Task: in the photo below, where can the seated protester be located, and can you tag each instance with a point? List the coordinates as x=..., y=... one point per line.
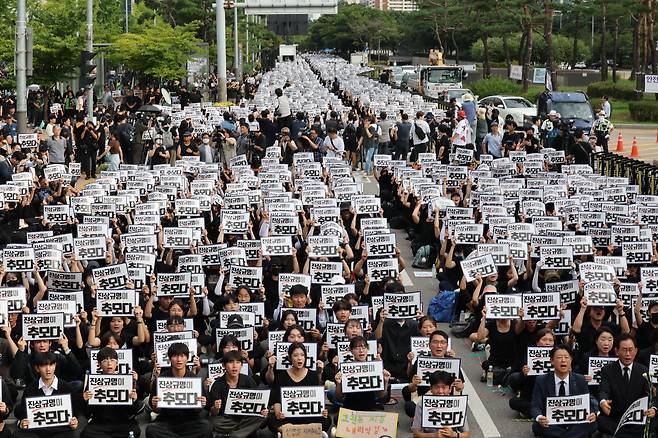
x=646, y=329
x=230, y=343
x=395, y=335
x=623, y=382
x=590, y=319
x=522, y=384
x=604, y=342
x=644, y=356
x=233, y=425
x=108, y=421
x=296, y=375
x=367, y=400
x=45, y=364
x=68, y=367
x=132, y=333
x=294, y=333
x=300, y=300
x=560, y=383
x=441, y=383
x=438, y=350
x=500, y=336
x=6, y=406
x=172, y=422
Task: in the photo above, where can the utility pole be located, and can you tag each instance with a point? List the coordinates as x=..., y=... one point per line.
x=236, y=47
x=90, y=48
x=127, y=4
x=221, y=48
x=21, y=75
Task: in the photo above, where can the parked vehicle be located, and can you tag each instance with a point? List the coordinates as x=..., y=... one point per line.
x=457, y=94
x=518, y=107
x=574, y=108
x=432, y=80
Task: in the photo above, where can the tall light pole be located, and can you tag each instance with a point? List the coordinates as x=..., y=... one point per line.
x=236, y=47
x=21, y=74
x=221, y=48
x=90, y=48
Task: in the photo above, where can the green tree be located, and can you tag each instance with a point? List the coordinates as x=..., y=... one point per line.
x=160, y=51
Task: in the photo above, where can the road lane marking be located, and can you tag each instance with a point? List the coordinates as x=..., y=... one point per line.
x=484, y=420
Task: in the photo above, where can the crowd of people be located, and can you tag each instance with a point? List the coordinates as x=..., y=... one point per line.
x=207, y=270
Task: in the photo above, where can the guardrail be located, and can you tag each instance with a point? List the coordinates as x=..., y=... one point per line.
x=638, y=172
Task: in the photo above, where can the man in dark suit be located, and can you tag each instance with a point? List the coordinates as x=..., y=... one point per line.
x=48, y=384
x=560, y=383
x=622, y=383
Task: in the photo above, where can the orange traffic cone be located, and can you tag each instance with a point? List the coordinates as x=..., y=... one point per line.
x=634, y=152
x=620, y=143
x=657, y=136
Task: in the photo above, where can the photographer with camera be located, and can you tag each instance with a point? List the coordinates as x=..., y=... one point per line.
x=312, y=142
x=287, y=145
x=87, y=149
x=158, y=154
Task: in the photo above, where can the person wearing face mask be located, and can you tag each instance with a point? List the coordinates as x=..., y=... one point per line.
x=206, y=151
x=602, y=128
x=157, y=153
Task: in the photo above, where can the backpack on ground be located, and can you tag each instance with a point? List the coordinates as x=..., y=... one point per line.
x=442, y=306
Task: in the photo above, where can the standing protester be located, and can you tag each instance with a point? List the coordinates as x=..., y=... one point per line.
x=602, y=128
x=402, y=137
x=420, y=136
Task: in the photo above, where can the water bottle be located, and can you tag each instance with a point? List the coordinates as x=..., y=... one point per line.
x=131, y=434
x=462, y=316
x=490, y=376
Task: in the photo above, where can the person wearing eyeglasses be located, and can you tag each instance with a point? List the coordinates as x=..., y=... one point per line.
x=413, y=391
x=363, y=400
x=107, y=421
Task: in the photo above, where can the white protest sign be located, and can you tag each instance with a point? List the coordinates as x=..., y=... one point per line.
x=248, y=402
x=567, y=410
x=402, y=305
x=179, y=392
x=502, y=306
x=539, y=360
x=541, y=306
x=111, y=390
x=302, y=401
x=362, y=376
x=441, y=411
x=49, y=411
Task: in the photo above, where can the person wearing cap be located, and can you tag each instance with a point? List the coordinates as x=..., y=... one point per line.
x=461, y=135
x=287, y=145
x=176, y=422
x=111, y=421
x=550, y=129
x=469, y=107
x=601, y=128
x=493, y=141
x=187, y=147
x=157, y=153
x=48, y=384
x=235, y=426
x=442, y=383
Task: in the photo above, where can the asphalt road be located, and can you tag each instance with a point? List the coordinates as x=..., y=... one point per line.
x=645, y=137
x=489, y=413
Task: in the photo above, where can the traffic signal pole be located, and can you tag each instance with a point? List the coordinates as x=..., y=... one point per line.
x=90, y=48
x=221, y=49
x=21, y=74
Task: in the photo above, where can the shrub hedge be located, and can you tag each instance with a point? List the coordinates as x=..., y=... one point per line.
x=644, y=111
x=622, y=90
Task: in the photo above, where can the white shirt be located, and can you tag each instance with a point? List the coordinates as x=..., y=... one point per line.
x=462, y=132
x=338, y=144
x=557, y=385
x=606, y=109
x=284, y=106
x=425, y=127
x=48, y=390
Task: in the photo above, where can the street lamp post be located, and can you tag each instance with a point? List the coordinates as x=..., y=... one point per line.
x=90, y=48
x=21, y=74
x=236, y=47
x=221, y=49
